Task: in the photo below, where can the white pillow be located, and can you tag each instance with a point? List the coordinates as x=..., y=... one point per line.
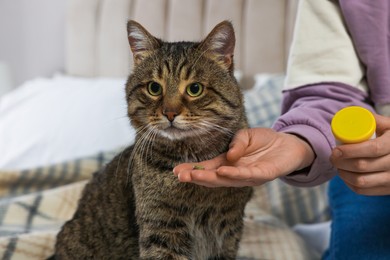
x=47, y=121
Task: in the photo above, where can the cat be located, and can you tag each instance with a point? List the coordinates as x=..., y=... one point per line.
x=185, y=105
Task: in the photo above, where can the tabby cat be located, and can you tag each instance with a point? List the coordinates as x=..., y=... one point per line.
x=186, y=105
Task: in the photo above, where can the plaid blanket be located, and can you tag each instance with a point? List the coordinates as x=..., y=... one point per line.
x=35, y=203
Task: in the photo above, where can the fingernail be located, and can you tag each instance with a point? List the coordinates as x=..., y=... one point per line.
x=181, y=179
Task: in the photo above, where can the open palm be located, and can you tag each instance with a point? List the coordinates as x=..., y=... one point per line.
x=255, y=156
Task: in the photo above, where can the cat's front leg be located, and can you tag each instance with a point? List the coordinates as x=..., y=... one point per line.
x=231, y=245
x=163, y=240
x=231, y=234
x=229, y=250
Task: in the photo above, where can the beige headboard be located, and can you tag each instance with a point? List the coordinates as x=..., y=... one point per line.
x=96, y=40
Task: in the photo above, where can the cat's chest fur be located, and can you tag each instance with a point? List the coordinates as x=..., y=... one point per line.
x=207, y=214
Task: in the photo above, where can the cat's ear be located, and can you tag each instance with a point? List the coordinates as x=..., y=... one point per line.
x=142, y=43
x=219, y=44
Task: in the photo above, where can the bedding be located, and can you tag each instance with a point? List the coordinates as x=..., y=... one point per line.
x=48, y=121
x=54, y=133
x=35, y=203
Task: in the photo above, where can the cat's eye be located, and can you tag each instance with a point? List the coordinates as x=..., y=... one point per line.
x=154, y=88
x=194, y=89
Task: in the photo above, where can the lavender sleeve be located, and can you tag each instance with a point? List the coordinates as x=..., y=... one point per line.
x=368, y=23
x=307, y=112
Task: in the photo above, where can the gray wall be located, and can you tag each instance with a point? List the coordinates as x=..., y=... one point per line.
x=32, y=37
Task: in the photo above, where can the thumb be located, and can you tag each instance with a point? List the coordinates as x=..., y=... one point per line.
x=238, y=146
x=382, y=124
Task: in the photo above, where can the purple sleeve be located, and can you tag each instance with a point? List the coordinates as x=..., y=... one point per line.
x=369, y=26
x=307, y=112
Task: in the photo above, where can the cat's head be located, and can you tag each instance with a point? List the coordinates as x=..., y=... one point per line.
x=181, y=90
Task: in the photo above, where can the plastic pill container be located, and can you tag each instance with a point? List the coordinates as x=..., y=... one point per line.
x=353, y=124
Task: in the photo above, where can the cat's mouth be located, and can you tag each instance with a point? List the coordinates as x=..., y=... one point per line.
x=172, y=132
x=178, y=132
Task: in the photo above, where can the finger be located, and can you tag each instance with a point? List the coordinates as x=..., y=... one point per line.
x=363, y=165
x=212, y=179
x=184, y=176
x=372, y=148
x=182, y=168
x=236, y=173
x=382, y=123
x=377, y=191
x=253, y=174
x=367, y=180
x=238, y=146
x=210, y=164
x=209, y=178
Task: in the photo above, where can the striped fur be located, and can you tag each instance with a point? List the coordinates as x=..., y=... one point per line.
x=135, y=208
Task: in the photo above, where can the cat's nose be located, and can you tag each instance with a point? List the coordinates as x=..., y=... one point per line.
x=170, y=115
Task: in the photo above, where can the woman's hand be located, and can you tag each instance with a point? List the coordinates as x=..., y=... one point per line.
x=365, y=167
x=255, y=156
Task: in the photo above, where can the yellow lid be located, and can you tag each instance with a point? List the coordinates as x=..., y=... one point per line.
x=353, y=125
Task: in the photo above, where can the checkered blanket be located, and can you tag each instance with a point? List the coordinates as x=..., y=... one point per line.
x=35, y=203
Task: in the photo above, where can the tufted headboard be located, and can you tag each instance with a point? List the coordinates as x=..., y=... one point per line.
x=96, y=40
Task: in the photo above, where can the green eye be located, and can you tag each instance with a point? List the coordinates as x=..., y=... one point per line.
x=154, y=88
x=194, y=89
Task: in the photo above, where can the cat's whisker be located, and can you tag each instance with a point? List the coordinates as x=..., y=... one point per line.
x=137, y=145
x=209, y=126
x=117, y=166
x=147, y=144
x=118, y=118
x=149, y=139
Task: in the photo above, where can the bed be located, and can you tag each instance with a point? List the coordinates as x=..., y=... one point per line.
x=55, y=132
